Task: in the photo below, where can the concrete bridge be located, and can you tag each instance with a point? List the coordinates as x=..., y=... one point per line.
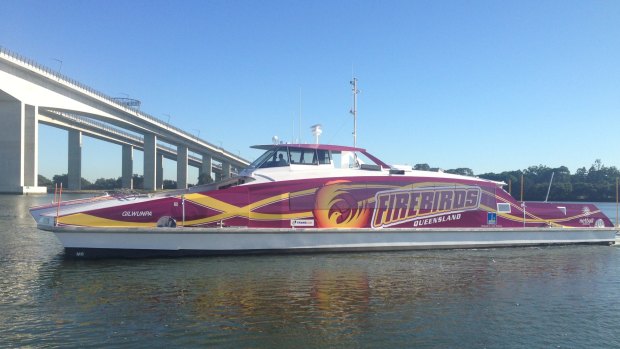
x=31, y=94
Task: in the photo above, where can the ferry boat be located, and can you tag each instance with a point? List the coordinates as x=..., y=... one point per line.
x=316, y=197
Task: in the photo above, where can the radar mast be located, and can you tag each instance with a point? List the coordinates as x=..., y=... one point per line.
x=354, y=110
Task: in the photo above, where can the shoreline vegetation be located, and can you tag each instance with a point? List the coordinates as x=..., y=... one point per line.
x=598, y=183
x=108, y=184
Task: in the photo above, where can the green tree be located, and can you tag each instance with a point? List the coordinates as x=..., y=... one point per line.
x=422, y=167
x=107, y=183
x=169, y=184
x=204, y=178
x=61, y=179
x=463, y=171
x=44, y=181
x=138, y=181
x=511, y=178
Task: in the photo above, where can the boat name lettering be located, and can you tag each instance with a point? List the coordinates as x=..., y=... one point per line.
x=137, y=213
x=399, y=206
x=586, y=221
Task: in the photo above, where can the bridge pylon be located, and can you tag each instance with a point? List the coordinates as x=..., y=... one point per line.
x=18, y=147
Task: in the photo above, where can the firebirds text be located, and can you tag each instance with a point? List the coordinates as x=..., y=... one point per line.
x=399, y=206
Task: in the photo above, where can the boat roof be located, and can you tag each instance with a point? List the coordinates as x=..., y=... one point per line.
x=329, y=147
x=309, y=146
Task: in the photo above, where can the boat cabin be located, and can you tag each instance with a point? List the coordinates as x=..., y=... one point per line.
x=282, y=162
x=281, y=155
x=297, y=161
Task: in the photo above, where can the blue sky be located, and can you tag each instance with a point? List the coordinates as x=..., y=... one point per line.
x=489, y=85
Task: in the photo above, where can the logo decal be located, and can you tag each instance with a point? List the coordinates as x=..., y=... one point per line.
x=398, y=206
x=491, y=218
x=336, y=207
x=302, y=222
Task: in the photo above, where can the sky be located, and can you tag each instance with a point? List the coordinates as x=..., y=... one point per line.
x=488, y=85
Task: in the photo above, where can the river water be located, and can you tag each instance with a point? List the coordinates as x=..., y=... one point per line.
x=542, y=297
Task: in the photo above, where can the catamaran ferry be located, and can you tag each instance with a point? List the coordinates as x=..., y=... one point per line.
x=316, y=197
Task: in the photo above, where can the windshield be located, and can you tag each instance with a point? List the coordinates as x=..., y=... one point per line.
x=285, y=156
x=304, y=156
x=272, y=158
x=266, y=155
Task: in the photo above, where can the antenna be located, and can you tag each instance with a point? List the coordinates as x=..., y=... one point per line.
x=316, y=131
x=354, y=110
x=549, y=189
x=299, y=139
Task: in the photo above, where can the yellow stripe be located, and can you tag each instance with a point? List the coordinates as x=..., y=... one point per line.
x=84, y=219
x=259, y=217
x=230, y=211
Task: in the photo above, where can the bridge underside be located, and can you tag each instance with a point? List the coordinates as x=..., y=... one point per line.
x=19, y=150
x=30, y=93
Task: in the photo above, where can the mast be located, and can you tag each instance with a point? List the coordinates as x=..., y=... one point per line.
x=354, y=110
x=549, y=189
x=299, y=139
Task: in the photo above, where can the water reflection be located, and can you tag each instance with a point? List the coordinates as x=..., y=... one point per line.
x=326, y=299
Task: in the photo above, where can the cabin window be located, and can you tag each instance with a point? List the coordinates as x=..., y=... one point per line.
x=303, y=156
x=272, y=158
x=336, y=159
x=503, y=207
x=345, y=159
x=348, y=160
x=281, y=157
x=323, y=157
x=262, y=159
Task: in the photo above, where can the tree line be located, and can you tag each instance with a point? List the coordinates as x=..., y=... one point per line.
x=597, y=183
x=102, y=183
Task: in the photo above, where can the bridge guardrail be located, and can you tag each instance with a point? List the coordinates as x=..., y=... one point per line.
x=77, y=84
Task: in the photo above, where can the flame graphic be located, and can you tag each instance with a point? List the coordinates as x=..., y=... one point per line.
x=335, y=207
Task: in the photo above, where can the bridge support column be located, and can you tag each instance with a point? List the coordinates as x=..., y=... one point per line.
x=206, y=168
x=225, y=169
x=127, y=172
x=160, y=172
x=31, y=137
x=181, y=167
x=74, y=170
x=150, y=152
x=18, y=147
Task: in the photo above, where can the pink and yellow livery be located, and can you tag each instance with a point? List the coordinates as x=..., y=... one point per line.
x=308, y=197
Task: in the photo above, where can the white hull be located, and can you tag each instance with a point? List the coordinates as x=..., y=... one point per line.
x=90, y=242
